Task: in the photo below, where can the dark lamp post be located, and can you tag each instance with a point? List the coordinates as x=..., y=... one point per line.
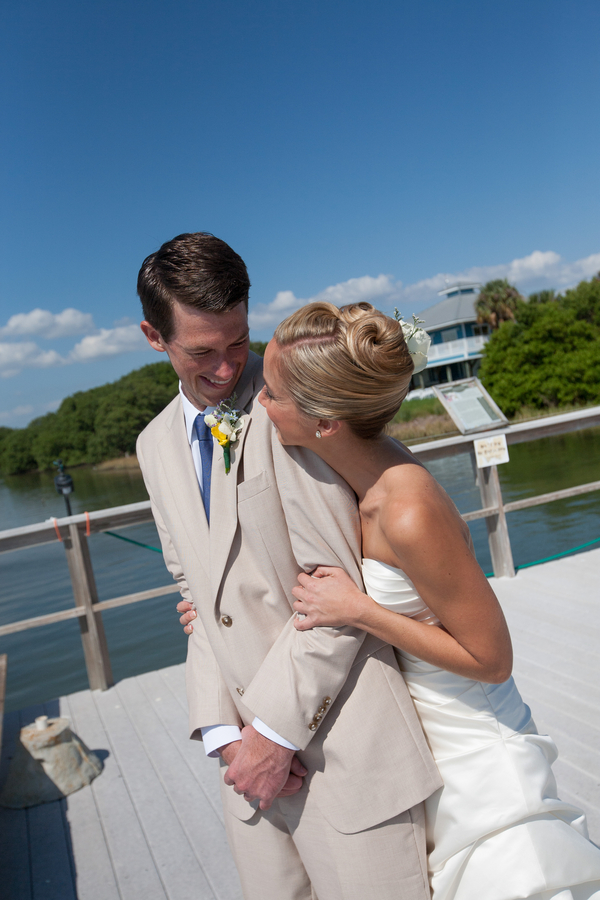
x=63, y=484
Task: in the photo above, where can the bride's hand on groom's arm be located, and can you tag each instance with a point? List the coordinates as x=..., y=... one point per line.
x=188, y=614
x=328, y=596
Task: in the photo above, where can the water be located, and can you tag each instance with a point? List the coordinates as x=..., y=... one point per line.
x=46, y=662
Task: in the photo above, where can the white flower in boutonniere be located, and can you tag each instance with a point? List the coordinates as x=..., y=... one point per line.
x=417, y=341
x=225, y=424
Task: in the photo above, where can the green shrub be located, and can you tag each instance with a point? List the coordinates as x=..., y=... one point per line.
x=550, y=356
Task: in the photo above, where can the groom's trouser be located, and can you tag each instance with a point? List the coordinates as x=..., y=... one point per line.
x=290, y=852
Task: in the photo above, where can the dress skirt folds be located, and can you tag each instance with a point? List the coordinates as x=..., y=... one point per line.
x=496, y=830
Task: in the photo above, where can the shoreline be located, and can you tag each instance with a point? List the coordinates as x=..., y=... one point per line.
x=121, y=462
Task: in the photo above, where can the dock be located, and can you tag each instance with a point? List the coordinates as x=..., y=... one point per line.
x=150, y=826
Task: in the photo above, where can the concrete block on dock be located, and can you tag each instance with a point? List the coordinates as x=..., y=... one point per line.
x=50, y=762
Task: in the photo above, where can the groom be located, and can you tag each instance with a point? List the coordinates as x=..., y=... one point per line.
x=324, y=763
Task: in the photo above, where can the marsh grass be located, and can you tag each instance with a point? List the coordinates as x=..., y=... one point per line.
x=422, y=427
x=417, y=419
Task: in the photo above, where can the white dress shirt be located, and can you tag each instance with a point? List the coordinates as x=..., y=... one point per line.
x=216, y=736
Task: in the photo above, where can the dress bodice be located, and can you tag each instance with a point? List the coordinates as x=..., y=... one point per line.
x=393, y=589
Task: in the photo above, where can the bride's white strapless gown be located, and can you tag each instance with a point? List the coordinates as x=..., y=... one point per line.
x=496, y=830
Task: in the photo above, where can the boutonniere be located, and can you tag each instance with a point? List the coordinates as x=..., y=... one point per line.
x=225, y=424
x=417, y=340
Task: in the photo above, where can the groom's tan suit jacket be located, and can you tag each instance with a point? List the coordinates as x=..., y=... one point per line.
x=336, y=693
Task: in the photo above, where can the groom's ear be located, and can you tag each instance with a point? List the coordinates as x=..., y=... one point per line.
x=329, y=427
x=153, y=337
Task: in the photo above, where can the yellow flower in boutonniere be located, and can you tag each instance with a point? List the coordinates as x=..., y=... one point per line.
x=225, y=425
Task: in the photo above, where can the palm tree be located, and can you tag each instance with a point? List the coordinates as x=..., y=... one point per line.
x=497, y=303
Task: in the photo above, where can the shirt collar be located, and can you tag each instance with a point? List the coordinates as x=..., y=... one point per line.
x=190, y=414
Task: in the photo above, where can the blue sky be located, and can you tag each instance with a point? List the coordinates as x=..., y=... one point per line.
x=344, y=149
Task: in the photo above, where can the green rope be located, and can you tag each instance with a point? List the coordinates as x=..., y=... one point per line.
x=550, y=558
x=487, y=574
x=131, y=541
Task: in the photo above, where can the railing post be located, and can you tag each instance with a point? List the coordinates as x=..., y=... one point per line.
x=93, y=638
x=497, y=529
x=3, y=663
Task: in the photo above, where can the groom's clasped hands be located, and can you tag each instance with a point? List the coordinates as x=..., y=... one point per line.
x=260, y=769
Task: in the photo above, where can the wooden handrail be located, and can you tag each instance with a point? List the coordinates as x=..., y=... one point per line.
x=100, y=520
x=75, y=612
x=518, y=433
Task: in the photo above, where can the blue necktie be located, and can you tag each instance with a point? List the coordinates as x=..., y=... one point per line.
x=205, y=443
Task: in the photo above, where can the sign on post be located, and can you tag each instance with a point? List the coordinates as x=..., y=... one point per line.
x=491, y=451
x=470, y=406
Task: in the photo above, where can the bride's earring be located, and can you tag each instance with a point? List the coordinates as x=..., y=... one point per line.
x=318, y=434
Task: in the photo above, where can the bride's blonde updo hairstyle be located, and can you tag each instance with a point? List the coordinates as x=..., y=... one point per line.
x=349, y=364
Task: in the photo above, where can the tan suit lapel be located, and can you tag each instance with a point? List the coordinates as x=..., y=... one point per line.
x=223, y=493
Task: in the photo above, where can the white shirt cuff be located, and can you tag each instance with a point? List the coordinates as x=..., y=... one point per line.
x=272, y=735
x=216, y=736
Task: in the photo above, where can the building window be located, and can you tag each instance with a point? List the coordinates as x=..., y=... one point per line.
x=474, y=330
x=451, y=334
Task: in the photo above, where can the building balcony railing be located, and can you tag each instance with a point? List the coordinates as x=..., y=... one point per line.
x=454, y=351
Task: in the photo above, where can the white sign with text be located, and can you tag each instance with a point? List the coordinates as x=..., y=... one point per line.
x=491, y=451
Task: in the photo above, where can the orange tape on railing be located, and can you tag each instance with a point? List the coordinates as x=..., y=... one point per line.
x=57, y=530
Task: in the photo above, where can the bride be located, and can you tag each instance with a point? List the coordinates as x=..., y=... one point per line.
x=496, y=830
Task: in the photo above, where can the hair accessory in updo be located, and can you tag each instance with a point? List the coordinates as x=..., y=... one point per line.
x=417, y=340
x=349, y=364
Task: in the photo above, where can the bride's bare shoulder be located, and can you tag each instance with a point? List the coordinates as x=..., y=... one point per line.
x=416, y=504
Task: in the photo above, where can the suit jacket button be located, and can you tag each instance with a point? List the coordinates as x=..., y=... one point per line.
x=313, y=726
x=240, y=691
x=227, y=621
x=327, y=701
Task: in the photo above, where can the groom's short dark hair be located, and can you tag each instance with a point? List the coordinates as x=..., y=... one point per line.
x=198, y=270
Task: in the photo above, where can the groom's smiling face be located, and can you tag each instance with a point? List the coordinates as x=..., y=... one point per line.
x=208, y=351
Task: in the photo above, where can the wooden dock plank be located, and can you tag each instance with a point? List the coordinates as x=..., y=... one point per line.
x=174, y=676
x=204, y=770
x=553, y=612
x=50, y=852
x=15, y=874
x=132, y=862
x=173, y=856
x=559, y=678
x=94, y=875
x=148, y=710
x=548, y=653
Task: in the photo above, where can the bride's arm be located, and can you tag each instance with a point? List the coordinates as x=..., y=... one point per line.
x=431, y=545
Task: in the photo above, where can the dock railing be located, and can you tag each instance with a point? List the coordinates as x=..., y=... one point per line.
x=73, y=531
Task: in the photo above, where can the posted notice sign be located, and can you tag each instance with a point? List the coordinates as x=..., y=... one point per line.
x=469, y=405
x=491, y=451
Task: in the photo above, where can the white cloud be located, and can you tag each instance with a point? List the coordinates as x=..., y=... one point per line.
x=16, y=413
x=538, y=270
x=67, y=323
x=109, y=342
x=373, y=290
x=26, y=355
